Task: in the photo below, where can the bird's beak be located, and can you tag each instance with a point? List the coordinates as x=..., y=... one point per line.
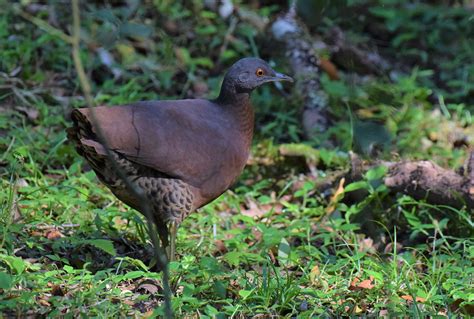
x=281, y=77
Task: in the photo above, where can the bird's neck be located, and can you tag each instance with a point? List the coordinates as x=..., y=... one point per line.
x=239, y=107
x=244, y=113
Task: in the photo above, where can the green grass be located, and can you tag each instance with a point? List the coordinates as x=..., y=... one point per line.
x=274, y=244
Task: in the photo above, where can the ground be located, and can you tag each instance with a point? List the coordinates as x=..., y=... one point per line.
x=279, y=243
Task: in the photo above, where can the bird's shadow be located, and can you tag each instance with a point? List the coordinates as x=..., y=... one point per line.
x=80, y=252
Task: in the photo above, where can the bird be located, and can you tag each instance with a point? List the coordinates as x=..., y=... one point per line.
x=182, y=154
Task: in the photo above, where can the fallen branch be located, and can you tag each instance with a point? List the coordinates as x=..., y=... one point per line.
x=421, y=180
x=425, y=180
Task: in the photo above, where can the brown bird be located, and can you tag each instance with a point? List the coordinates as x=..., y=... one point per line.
x=182, y=154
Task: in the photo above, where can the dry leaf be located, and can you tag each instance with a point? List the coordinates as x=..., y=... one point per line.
x=128, y=302
x=272, y=256
x=253, y=210
x=35, y=233
x=355, y=281
x=148, y=286
x=148, y=314
x=314, y=274
x=356, y=284
x=44, y=302
x=56, y=290
x=389, y=248
x=257, y=234
x=53, y=234
x=220, y=246
x=54, y=176
x=21, y=182
x=367, y=284
x=358, y=309
x=383, y=313
x=410, y=298
x=366, y=245
x=336, y=197
x=468, y=308
x=31, y=113
x=329, y=68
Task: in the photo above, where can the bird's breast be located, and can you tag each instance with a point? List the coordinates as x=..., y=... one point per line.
x=228, y=166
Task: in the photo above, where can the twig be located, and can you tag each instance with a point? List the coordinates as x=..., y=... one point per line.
x=47, y=27
x=136, y=191
x=228, y=35
x=74, y=40
x=42, y=227
x=76, y=54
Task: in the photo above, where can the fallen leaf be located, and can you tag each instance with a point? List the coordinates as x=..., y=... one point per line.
x=54, y=176
x=410, y=298
x=220, y=246
x=148, y=314
x=366, y=245
x=314, y=275
x=35, y=233
x=272, y=256
x=128, y=302
x=257, y=234
x=366, y=284
x=21, y=182
x=44, y=302
x=383, y=313
x=356, y=284
x=53, y=234
x=315, y=271
x=329, y=68
x=253, y=210
x=336, y=197
x=31, y=113
x=466, y=308
x=389, y=248
x=149, y=286
x=56, y=290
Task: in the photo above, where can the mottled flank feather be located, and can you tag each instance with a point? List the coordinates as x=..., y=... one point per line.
x=170, y=198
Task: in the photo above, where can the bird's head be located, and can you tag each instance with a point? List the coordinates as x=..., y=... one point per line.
x=249, y=73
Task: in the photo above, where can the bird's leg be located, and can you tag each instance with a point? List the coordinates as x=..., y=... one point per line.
x=162, y=232
x=173, y=230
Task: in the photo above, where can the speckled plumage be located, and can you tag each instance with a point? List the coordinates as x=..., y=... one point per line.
x=182, y=154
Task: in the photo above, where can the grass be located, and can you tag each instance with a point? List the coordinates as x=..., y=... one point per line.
x=273, y=245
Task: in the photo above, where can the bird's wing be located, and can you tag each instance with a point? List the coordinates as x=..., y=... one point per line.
x=183, y=139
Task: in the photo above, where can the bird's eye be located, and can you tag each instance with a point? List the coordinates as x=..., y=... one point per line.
x=259, y=72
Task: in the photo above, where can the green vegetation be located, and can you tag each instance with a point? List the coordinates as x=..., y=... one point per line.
x=274, y=244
